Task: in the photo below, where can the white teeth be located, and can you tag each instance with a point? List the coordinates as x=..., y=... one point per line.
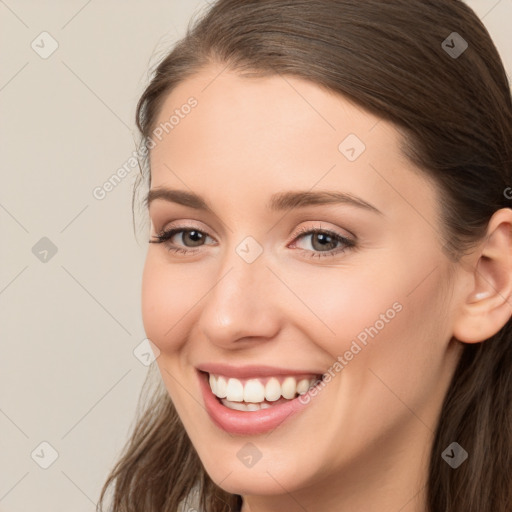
x=303, y=386
x=222, y=387
x=218, y=385
x=272, y=390
x=254, y=392
x=238, y=406
x=235, y=391
x=289, y=387
x=213, y=383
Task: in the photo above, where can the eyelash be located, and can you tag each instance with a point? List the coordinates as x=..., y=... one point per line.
x=166, y=235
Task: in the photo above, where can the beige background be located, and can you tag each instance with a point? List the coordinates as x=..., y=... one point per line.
x=69, y=324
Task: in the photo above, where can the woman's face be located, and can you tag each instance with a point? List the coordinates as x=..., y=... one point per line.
x=253, y=295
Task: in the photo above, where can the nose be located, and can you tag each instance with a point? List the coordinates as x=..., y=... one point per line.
x=242, y=304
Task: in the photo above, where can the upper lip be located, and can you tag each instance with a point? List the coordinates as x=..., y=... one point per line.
x=250, y=371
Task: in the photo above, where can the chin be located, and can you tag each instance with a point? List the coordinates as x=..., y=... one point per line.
x=254, y=482
x=265, y=478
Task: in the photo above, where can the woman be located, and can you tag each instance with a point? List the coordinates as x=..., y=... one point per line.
x=329, y=277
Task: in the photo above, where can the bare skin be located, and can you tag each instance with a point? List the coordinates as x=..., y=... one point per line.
x=363, y=442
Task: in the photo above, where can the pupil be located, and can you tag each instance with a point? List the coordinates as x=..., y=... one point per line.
x=196, y=237
x=323, y=239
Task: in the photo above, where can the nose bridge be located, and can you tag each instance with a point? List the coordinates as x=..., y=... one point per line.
x=240, y=302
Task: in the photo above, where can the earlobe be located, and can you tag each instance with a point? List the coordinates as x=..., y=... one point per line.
x=488, y=305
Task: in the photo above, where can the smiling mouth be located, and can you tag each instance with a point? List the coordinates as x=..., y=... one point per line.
x=254, y=394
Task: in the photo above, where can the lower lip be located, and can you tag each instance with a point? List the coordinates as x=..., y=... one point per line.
x=246, y=422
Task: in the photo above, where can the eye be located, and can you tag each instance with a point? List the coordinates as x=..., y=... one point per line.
x=189, y=236
x=323, y=242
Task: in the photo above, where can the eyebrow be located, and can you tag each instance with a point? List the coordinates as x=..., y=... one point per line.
x=278, y=202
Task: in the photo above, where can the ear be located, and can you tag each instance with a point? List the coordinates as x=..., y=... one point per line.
x=488, y=305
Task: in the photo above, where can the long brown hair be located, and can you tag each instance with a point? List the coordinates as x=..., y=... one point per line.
x=455, y=114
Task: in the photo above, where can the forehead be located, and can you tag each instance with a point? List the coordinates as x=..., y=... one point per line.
x=260, y=134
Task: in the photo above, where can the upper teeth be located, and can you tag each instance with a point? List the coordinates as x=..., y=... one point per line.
x=256, y=391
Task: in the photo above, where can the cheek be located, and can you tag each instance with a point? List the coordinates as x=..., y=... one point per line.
x=404, y=366
x=412, y=360
x=386, y=304
x=392, y=345
x=169, y=294
x=379, y=320
x=342, y=305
